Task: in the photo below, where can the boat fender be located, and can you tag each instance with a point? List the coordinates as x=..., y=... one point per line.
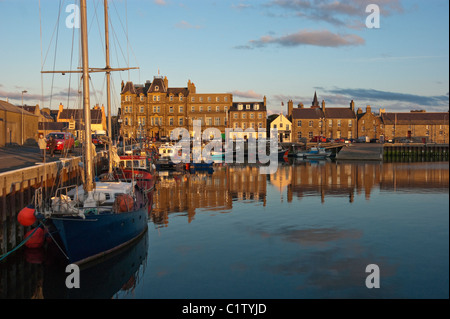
x=26, y=216
x=37, y=239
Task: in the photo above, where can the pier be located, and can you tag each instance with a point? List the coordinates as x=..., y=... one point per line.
x=17, y=189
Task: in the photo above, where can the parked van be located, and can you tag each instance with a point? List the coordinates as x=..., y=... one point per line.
x=363, y=139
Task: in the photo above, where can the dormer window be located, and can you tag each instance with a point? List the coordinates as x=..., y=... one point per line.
x=240, y=106
x=247, y=106
x=156, y=88
x=256, y=107
x=181, y=97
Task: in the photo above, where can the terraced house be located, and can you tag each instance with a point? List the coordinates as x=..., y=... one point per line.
x=331, y=122
x=154, y=109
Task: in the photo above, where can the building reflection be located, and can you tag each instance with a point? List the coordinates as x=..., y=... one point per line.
x=186, y=194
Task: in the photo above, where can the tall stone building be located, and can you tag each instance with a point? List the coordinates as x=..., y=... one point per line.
x=154, y=109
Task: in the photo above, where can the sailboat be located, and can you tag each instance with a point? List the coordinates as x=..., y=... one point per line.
x=96, y=218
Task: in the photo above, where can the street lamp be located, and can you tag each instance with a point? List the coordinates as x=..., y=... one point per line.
x=22, y=113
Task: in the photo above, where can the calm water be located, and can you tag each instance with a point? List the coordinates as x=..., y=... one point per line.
x=308, y=231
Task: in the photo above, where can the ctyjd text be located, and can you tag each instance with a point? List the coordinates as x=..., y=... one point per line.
x=241, y=308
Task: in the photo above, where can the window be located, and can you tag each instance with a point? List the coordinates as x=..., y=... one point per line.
x=244, y=126
x=217, y=99
x=310, y=123
x=299, y=135
x=192, y=108
x=225, y=98
x=158, y=98
x=141, y=109
x=217, y=121
x=244, y=115
x=209, y=121
x=260, y=115
x=252, y=115
x=170, y=109
x=240, y=106
x=201, y=99
x=217, y=108
x=310, y=134
x=256, y=107
x=180, y=121
x=154, y=98
x=235, y=115
x=339, y=124
x=287, y=126
x=260, y=125
x=299, y=123
x=171, y=97
x=330, y=123
x=252, y=125
x=201, y=108
x=350, y=123
x=192, y=99
x=281, y=125
x=209, y=99
x=236, y=125
x=274, y=126
x=181, y=97
x=225, y=108
x=156, y=88
x=247, y=106
x=209, y=108
x=142, y=98
x=180, y=109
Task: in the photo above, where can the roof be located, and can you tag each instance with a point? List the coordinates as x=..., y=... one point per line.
x=6, y=106
x=157, y=86
x=309, y=113
x=128, y=87
x=234, y=107
x=417, y=118
x=339, y=113
x=77, y=114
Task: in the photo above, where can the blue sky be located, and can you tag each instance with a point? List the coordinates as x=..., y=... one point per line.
x=281, y=49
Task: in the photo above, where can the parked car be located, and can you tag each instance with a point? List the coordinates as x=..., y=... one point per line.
x=374, y=140
x=96, y=140
x=320, y=139
x=64, y=141
x=339, y=140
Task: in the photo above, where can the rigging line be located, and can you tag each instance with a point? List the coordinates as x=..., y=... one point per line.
x=56, y=47
x=128, y=41
x=42, y=75
x=71, y=60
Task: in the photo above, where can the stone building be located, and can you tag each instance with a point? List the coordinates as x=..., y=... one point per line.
x=340, y=122
x=248, y=117
x=17, y=126
x=370, y=124
x=154, y=110
x=417, y=126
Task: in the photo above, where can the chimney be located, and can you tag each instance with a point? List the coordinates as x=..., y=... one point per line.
x=265, y=100
x=359, y=111
x=368, y=109
x=352, y=106
x=166, y=82
x=290, y=107
x=122, y=86
x=300, y=105
x=323, y=106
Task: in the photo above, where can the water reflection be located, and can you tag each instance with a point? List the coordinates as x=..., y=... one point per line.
x=187, y=194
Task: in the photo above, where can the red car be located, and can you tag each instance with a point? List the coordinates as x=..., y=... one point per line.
x=64, y=141
x=320, y=139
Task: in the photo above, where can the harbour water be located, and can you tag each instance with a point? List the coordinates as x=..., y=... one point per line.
x=307, y=231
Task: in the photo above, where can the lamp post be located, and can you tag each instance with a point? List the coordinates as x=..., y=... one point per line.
x=22, y=113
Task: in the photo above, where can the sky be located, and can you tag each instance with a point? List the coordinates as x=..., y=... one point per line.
x=281, y=49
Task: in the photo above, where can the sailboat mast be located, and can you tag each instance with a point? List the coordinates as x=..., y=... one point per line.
x=89, y=187
x=108, y=86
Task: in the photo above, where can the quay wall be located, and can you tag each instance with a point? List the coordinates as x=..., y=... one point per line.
x=17, y=189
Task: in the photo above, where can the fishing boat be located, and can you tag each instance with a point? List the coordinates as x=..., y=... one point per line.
x=315, y=153
x=93, y=219
x=139, y=168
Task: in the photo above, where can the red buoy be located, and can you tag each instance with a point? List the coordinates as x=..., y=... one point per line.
x=37, y=239
x=124, y=203
x=26, y=216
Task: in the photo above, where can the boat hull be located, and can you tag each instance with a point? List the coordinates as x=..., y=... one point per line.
x=97, y=235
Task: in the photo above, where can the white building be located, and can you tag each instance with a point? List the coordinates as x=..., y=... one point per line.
x=284, y=126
